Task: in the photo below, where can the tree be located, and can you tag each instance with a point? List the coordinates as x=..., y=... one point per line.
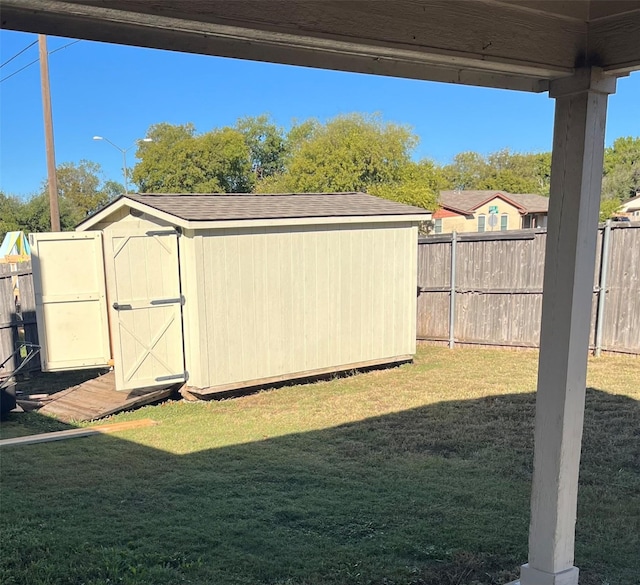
x=82, y=190
x=349, y=153
x=36, y=215
x=622, y=169
x=467, y=171
x=267, y=145
x=10, y=214
x=608, y=208
x=178, y=161
x=501, y=171
x=419, y=185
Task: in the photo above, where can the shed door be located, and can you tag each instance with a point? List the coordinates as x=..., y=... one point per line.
x=146, y=308
x=71, y=305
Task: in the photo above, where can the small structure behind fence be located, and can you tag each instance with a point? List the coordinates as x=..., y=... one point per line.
x=17, y=313
x=496, y=297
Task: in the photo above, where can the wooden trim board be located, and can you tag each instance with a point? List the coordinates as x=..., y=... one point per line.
x=74, y=433
x=201, y=392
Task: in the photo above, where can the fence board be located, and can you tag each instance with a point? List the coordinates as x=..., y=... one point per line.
x=15, y=317
x=622, y=311
x=499, y=289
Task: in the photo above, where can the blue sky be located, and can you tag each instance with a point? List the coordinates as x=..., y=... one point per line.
x=118, y=92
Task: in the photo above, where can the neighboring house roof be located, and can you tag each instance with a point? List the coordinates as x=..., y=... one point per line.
x=220, y=207
x=467, y=201
x=632, y=204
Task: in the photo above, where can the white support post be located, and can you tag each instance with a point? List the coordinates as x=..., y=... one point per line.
x=576, y=180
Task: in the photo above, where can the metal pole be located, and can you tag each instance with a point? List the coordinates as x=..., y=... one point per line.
x=452, y=297
x=48, y=134
x=602, y=293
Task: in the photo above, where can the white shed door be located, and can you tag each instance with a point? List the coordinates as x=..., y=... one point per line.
x=146, y=308
x=71, y=304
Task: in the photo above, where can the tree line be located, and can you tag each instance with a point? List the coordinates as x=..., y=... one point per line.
x=352, y=152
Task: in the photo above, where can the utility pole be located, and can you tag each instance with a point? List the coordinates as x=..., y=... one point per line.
x=48, y=134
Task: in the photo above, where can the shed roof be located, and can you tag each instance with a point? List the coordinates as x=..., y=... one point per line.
x=222, y=206
x=467, y=201
x=215, y=209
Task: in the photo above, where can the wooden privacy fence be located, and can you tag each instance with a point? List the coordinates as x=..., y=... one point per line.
x=17, y=313
x=486, y=288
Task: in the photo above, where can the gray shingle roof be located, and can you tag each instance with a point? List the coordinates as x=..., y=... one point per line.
x=469, y=200
x=222, y=206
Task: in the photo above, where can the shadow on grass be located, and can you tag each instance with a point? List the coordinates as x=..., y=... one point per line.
x=435, y=495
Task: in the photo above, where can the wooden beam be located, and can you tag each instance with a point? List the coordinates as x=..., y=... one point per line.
x=476, y=43
x=576, y=177
x=75, y=433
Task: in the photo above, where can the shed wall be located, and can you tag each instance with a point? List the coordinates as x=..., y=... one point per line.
x=272, y=303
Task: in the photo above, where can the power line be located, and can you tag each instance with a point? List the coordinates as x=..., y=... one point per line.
x=64, y=47
x=18, y=54
x=18, y=71
x=36, y=60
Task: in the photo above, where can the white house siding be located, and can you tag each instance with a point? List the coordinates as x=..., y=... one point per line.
x=273, y=302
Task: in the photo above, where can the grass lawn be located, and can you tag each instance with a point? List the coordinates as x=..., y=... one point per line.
x=415, y=475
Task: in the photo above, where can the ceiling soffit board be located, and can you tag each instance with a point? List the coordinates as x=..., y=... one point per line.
x=571, y=9
x=477, y=43
x=497, y=43
x=614, y=42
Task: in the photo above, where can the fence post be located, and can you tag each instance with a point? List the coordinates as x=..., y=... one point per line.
x=452, y=297
x=602, y=290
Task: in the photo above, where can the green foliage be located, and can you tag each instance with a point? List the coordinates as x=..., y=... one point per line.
x=178, y=161
x=622, y=169
x=419, y=185
x=609, y=207
x=10, y=214
x=267, y=145
x=36, y=214
x=502, y=170
x=81, y=191
x=350, y=153
x=355, y=153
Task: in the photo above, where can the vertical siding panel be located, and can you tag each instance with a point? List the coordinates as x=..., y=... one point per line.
x=189, y=290
x=389, y=313
x=358, y=295
x=366, y=288
x=261, y=355
x=334, y=303
x=202, y=335
x=324, y=284
x=246, y=333
x=377, y=309
x=345, y=296
x=275, y=302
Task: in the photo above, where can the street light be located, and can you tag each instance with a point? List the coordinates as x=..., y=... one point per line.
x=124, y=156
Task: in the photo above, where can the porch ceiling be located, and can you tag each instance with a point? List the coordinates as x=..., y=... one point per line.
x=514, y=44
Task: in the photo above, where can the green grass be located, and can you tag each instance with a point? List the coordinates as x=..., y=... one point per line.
x=415, y=475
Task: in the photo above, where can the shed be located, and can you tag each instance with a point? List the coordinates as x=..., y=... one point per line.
x=230, y=291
